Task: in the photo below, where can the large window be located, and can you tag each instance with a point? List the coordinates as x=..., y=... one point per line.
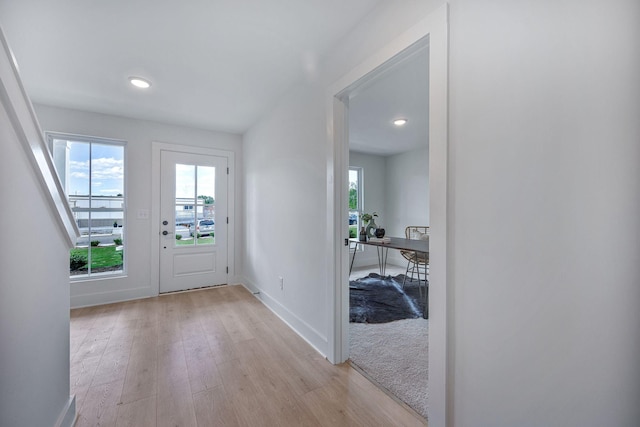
x=355, y=200
x=91, y=171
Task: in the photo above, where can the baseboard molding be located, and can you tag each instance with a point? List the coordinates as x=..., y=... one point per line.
x=99, y=298
x=68, y=415
x=314, y=338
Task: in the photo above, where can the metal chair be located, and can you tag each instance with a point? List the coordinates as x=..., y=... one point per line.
x=417, y=262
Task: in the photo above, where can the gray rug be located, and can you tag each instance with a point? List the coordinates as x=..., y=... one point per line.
x=377, y=299
x=396, y=356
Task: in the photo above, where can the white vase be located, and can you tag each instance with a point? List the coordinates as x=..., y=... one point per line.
x=371, y=228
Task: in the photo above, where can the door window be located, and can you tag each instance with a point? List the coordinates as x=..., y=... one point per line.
x=195, y=205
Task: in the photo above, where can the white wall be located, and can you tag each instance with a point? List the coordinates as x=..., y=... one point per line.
x=545, y=202
x=139, y=136
x=34, y=297
x=407, y=190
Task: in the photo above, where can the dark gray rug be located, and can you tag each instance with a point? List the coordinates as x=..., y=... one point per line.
x=376, y=299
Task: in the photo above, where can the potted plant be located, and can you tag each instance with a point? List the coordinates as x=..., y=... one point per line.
x=368, y=218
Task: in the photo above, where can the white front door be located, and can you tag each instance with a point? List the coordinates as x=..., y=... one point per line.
x=193, y=217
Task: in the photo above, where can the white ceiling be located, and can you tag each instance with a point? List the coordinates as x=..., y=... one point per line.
x=214, y=64
x=401, y=92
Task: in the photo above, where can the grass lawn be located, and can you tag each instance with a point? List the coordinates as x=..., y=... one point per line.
x=107, y=257
x=101, y=257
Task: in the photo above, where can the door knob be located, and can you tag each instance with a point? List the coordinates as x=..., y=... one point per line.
x=165, y=222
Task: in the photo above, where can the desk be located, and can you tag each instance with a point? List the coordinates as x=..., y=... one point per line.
x=394, y=243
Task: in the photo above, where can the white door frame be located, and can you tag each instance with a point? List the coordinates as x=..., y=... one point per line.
x=156, y=149
x=434, y=31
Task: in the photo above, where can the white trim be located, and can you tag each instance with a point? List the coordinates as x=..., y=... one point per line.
x=117, y=295
x=156, y=149
x=434, y=30
x=68, y=415
x=27, y=129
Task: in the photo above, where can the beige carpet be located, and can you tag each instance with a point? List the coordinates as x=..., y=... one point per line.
x=396, y=356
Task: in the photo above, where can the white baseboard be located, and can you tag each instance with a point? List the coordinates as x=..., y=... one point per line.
x=314, y=338
x=99, y=298
x=68, y=415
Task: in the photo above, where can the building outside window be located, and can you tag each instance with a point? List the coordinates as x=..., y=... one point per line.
x=91, y=171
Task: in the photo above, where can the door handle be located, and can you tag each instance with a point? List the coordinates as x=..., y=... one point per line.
x=165, y=232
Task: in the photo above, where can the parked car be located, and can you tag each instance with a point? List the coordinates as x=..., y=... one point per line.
x=204, y=227
x=353, y=218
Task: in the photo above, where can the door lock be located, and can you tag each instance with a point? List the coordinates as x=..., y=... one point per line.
x=165, y=222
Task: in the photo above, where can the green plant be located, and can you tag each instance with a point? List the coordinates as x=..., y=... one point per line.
x=77, y=261
x=366, y=217
x=117, y=241
x=178, y=236
x=95, y=243
x=353, y=232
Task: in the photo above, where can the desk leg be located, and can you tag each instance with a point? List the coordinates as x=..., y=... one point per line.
x=353, y=258
x=383, y=253
x=417, y=264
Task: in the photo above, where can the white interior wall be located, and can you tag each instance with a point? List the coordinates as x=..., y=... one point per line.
x=407, y=189
x=545, y=200
x=139, y=135
x=34, y=297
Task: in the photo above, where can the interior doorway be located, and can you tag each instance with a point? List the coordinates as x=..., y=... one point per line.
x=432, y=31
x=388, y=320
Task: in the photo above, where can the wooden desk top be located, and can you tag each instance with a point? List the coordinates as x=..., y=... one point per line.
x=398, y=243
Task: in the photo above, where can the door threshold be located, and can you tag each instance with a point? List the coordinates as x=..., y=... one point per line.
x=202, y=288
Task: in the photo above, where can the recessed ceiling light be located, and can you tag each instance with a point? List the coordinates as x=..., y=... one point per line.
x=400, y=122
x=139, y=82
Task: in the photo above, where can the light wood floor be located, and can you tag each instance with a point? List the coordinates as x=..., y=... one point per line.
x=214, y=357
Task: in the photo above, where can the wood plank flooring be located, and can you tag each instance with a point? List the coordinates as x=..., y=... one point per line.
x=214, y=357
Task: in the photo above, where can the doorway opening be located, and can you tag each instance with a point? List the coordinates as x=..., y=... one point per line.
x=388, y=319
x=431, y=32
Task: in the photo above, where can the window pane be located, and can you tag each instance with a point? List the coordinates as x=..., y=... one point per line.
x=206, y=190
x=77, y=182
x=185, y=183
x=353, y=190
x=107, y=176
x=354, y=201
